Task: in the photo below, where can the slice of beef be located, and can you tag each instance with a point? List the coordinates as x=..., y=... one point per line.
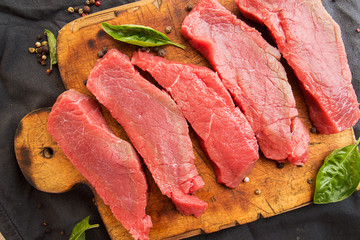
x=224, y=132
x=155, y=126
x=250, y=69
x=310, y=41
x=110, y=164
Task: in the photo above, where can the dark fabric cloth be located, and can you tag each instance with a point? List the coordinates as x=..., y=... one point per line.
x=24, y=87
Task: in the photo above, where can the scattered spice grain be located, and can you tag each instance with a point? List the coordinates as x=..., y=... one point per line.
x=189, y=7
x=86, y=9
x=161, y=52
x=280, y=165
x=71, y=10
x=257, y=191
x=168, y=29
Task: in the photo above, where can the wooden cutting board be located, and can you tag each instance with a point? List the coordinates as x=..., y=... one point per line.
x=46, y=167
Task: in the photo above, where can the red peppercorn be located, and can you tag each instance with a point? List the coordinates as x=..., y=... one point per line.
x=97, y=3
x=358, y=30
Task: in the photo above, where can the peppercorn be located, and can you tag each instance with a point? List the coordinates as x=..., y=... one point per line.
x=76, y=9
x=31, y=50
x=310, y=181
x=189, y=7
x=81, y=11
x=48, y=230
x=246, y=180
x=45, y=50
x=92, y=2
x=145, y=49
x=104, y=50
x=44, y=43
x=86, y=9
x=48, y=71
x=37, y=44
x=156, y=49
x=168, y=29
x=161, y=52
x=62, y=233
x=313, y=130
x=280, y=165
x=43, y=63
x=358, y=30
x=38, y=37
x=257, y=191
x=100, y=54
x=45, y=34
x=44, y=224
x=97, y=3
x=43, y=57
x=71, y=9
x=38, y=50
x=87, y=2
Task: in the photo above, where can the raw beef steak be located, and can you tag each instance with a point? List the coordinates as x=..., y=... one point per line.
x=155, y=126
x=250, y=69
x=110, y=164
x=310, y=41
x=223, y=130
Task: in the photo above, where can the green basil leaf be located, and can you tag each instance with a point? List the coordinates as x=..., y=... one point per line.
x=138, y=35
x=52, y=47
x=78, y=232
x=339, y=176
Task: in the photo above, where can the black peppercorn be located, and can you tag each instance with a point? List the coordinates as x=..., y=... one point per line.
x=189, y=7
x=313, y=130
x=62, y=233
x=168, y=29
x=86, y=9
x=38, y=37
x=100, y=54
x=76, y=9
x=48, y=230
x=104, y=50
x=161, y=52
x=45, y=50
x=280, y=165
x=145, y=49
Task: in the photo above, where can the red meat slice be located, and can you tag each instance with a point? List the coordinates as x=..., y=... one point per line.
x=250, y=69
x=223, y=130
x=110, y=164
x=155, y=126
x=310, y=41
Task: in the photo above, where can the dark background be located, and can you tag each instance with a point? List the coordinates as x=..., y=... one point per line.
x=24, y=87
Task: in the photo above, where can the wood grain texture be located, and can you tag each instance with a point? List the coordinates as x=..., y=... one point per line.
x=282, y=189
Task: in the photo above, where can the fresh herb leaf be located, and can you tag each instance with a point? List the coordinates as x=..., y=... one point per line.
x=52, y=47
x=339, y=177
x=78, y=232
x=138, y=35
